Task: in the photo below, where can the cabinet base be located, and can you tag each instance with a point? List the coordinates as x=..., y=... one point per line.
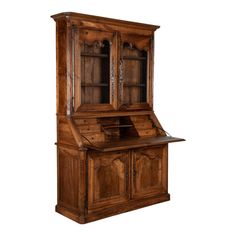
x=114, y=210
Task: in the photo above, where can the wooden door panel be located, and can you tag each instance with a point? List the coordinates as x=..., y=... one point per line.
x=149, y=171
x=107, y=178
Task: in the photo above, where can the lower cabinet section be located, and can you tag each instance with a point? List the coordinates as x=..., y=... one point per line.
x=93, y=185
x=116, y=177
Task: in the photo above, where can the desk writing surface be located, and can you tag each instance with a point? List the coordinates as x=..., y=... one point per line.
x=128, y=143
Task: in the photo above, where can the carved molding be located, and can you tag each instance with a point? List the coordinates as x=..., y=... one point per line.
x=135, y=41
x=112, y=79
x=121, y=80
x=94, y=38
x=95, y=44
x=156, y=156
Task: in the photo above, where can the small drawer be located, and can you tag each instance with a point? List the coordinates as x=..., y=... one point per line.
x=139, y=118
x=94, y=137
x=89, y=128
x=147, y=132
x=143, y=125
x=85, y=121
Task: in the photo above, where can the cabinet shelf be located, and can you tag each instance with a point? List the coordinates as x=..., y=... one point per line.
x=116, y=126
x=94, y=55
x=134, y=58
x=94, y=85
x=134, y=85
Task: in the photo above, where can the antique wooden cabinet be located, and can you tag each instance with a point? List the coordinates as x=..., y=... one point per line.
x=112, y=152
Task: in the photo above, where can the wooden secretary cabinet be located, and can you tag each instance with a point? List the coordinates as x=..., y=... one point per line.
x=111, y=149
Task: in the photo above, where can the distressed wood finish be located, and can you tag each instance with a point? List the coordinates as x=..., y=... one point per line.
x=111, y=148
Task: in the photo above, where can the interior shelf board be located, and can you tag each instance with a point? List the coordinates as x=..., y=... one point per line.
x=134, y=58
x=94, y=84
x=94, y=55
x=134, y=85
x=128, y=143
x=116, y=126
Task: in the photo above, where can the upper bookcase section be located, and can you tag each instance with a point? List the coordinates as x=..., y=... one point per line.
x=86, y=21
x=103, y=64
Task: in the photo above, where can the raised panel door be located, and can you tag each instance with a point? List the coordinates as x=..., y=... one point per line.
x=149, y=171
x=108, y=175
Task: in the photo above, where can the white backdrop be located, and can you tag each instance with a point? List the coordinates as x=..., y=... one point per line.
x=195, y=73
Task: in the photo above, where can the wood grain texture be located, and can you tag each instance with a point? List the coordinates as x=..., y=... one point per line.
x=108, y=178
x=149, y=171
x=61, y=65
x=68, y=177
x=112, y=152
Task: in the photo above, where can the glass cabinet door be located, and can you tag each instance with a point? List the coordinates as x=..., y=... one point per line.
x=95, y=81
x=95, y=69
x=134, y=72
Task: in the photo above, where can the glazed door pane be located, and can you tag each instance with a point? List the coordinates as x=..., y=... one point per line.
x=94, y=76
x=134, y=76
x=149, y=171
x=108, y=178
x=95, y=72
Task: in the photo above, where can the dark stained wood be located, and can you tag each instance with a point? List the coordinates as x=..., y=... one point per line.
x=134, y=58
x=112, y=152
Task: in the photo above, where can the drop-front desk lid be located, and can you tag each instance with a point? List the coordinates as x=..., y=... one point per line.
x=128, y=143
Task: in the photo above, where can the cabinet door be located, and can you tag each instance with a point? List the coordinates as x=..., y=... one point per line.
x=93, y=66
x=135, y=74
x=108, y=175
x=149, y=171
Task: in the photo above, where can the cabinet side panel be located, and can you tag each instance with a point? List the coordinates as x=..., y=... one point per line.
x=68, y=177
x=61, y=66
x=65, y=135
x=165, y=168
